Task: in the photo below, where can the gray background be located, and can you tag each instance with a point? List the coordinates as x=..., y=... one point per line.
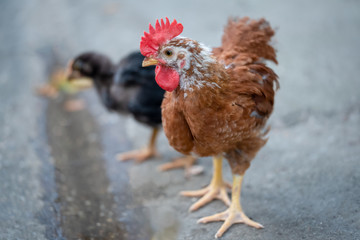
x=58, y=176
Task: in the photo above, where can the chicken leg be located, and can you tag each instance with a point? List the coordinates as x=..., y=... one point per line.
x=143, y=154
x=217, y=189
x=234, y=214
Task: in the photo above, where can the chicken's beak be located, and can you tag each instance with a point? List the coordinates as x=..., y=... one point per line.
x=76, y=78
x=70, y=73
x=81, y=83
x=149, y=61
x=73, y=75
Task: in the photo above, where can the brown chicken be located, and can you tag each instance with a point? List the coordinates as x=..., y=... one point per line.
x=217, y=102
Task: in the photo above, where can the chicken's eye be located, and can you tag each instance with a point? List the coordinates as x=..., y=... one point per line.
x=77, y=65
x=168, y=53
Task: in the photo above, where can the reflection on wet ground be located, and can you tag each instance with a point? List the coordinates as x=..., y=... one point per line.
x=88, y=209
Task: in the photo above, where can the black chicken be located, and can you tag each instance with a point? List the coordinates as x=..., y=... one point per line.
x=127, y=88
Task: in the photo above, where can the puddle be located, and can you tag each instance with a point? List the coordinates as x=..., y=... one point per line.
x=87, y=208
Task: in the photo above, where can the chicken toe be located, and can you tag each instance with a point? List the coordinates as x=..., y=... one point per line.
x=185, y=162
x=139, y=156
x=217, y=189
x=230, y=217
x=207, y=195
x=234, y=214
x=143, y=154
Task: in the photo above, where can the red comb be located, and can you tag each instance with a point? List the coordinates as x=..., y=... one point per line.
x=163, y=32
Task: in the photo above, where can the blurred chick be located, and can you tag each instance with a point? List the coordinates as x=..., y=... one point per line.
x=127, y=88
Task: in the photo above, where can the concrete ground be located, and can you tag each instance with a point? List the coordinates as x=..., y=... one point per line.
x=58, y=175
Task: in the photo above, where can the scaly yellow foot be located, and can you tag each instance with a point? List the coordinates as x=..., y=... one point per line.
x=216, y=190
x=143, y=154
x=234, y=214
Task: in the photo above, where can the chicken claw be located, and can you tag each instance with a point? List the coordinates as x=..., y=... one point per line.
x=216, y=190
x=234, y=214
x=230, y=216
x=143, y=154
x=138, y=155
x=208, y=194
x=185, y=162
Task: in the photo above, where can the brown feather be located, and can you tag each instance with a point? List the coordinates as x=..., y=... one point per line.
x=246, y=41
x=229, y=118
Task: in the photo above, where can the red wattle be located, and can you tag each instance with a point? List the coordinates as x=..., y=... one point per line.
x=167, y=78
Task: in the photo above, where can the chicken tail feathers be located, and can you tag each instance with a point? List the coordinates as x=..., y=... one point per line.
x=246, y=41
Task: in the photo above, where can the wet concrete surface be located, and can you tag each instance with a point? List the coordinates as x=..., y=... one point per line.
x=58, y=175
x=89, y=205
x=87, y=208
x=133, y=191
